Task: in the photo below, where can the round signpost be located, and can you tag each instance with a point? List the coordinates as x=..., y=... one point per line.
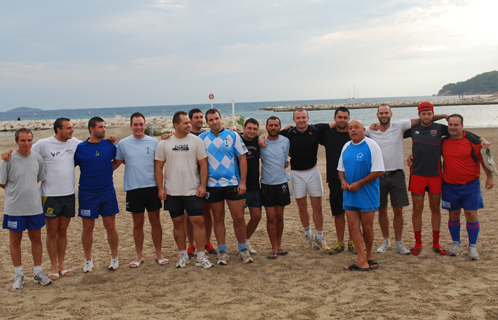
x=211, y=97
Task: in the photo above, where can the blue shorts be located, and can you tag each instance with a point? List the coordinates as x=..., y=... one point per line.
x=21, y=223
x=93, y=204
x=458, y=196
x=348, y=208
x=252, y=198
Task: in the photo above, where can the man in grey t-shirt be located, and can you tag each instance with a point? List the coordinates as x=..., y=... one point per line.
x=23, y=208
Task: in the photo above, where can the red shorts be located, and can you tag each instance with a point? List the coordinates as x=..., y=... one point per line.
x=421, y=184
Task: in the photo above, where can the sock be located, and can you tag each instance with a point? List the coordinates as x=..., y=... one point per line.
x=247, y=241
x=183, y=252
x=418, y=239
x=454, y=227
x=473, y=231
x=319, y=235
x=435, y=239
x=242, y=246
x=222, y=248
x=37, y=269
x=307, y=231
x=18, y=270
x=200, y=254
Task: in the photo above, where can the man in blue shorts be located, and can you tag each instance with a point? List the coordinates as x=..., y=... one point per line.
x=96, y=194
x=226, y=182
x=137, y=153
x=360, y=167
x=461, y=185
x=253, y=194
x=275, y=193
x=23, y=209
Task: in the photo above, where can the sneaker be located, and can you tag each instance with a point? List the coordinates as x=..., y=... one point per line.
x=351, y=247
x=204, y=262
x=191, y=252
x=321, y=244
x=386, y=245
x=245, y=256
x=400, y=248
x=42, y=279
x=210, y=249
x=223, y=258
x=250, y=249
x=88, y=266
x=183, y=261
x=339, y=247
x=455, y=249
x=18, y=282
x=114, y=263
x=308, y=241
x=473, y=255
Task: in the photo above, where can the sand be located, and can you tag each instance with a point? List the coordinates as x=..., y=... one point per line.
x=302, y=285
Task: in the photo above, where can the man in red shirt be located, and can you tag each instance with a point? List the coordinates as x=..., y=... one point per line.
x=461, y=184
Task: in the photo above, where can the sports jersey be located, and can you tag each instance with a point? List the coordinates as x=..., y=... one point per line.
x=333, y=141
x=273, y=159
x=95, y=164
x=357, y=161
x=426, y=148
x=222, y=149
x=304, y=145
x=462, y=159
x=391, y=143
x=138, y=155
x=197, y=134
x=252, y=156
x=58, y=158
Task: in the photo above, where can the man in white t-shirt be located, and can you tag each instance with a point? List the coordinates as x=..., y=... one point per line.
x=137, y=153
x=183, y=184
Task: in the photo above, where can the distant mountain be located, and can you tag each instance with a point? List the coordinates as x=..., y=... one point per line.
x=23, y=110
x=485, y=83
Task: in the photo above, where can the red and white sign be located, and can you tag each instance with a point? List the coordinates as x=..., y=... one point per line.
x=211, y=96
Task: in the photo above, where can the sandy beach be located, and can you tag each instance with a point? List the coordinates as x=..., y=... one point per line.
x=305, y=284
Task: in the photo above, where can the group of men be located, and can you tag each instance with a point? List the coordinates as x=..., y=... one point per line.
x=195, y=171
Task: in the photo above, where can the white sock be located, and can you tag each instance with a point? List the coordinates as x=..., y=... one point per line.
x=183, y=252
x=247, y=241
x=307, y=231
x=18, y=270
x=200, y=254
x=319, y=235
x=37, y=269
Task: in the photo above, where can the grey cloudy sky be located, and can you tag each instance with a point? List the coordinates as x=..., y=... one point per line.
x=88, y=54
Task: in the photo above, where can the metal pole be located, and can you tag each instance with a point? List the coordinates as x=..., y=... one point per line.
x=233, y=108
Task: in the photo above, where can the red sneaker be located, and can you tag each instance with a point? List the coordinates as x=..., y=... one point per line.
x=191, y=252
x=209, y=248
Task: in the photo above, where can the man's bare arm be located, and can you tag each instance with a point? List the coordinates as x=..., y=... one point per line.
x=204, y=176
x=355, y=186
x=243, y=174
x=158, y=173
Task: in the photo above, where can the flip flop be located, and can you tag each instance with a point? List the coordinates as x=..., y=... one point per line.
x=371, y=263
x=354, y=267
x=162, y=262
x=53, y=276
x=282, y=252
x=136, y=264
x=272, y=255
x=65, y=273
x=415, y=251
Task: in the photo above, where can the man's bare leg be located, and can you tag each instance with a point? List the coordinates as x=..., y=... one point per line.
x=236, y=208
x=138, y=236
x=218, y=209
x=384, y=222
x=87, y=236
x=271, y=227
x=398, y=222
x=316, y=205
x=15, y=247
x=52, y=226
x=156, y=232
x=253, y=222
x=208, y=221
x=340, y=226
x=435, y=206
x=179, y=232
x=356, y=236
x=304, y=214
x=199, y=231
x=112, y=234
x=36, y=246
x=367, y=219
x=418, y=208
x=280, y=225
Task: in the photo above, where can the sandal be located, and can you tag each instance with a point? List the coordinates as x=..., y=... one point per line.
x=373, y=264
x=65, y=273
x=282, y=252
x=136, y=264
x=53, y=276
x=272, y=255
x=162, y=262
x=354, y=267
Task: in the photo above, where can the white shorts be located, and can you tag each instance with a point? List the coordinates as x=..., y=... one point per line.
x=306, y=181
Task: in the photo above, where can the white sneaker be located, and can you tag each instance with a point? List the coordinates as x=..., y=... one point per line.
x=114, y=263
x=88, y=266
x=250, y=249
x=223, y=258
x=386, y=245
x=204, y=262
x=18, y=282
x=321, y=244
x=245, y=256
x=473, y=255
x=183, y=261
x=400, y=248
x=455, y=249
x=42, y=279
x=308, y=241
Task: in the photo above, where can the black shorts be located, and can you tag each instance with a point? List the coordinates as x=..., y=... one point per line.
x=252, y=198
x=275, y=195
x=217, y=194
x=137, y=200
x=393, y=182
x=176, y=205
x=63, y=206
x=335, y=198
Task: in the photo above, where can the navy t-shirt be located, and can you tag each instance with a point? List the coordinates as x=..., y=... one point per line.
x=95, y=161
x=252, y=156
x=333, y=141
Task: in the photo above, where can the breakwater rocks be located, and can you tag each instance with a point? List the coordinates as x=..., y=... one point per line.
x=474, y=100
x=162, y=124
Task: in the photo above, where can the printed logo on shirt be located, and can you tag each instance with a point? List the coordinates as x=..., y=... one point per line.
x=97, y=153
x=69, y=151
x=228, y=141
x=416, y=132
x=359, y=156
x=85, y=213
x=55, y=153
x=12, y=224
x=433, y=132
x=50, y=211
x=182, y=147
x=148, y=150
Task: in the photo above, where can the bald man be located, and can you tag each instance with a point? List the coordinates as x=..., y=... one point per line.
x=359, y=168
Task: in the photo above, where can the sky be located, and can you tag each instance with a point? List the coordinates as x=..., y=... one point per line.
x=117, y=53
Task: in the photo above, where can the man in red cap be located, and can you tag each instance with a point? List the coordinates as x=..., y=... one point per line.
x=426, y=174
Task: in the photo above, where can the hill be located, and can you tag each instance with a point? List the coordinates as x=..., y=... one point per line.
x=485, y=83
x=23, y=110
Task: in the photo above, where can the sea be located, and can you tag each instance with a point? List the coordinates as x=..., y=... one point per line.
x=475, y=116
